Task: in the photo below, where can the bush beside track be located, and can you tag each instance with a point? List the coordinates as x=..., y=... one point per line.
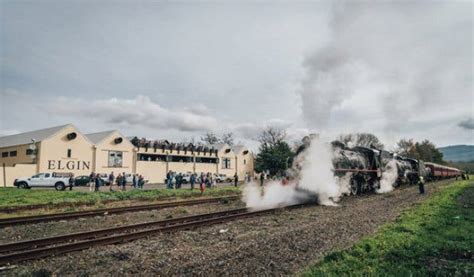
x=436, y=237
x=16, y=198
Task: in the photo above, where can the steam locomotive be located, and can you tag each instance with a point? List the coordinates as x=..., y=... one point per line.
x=367, y=167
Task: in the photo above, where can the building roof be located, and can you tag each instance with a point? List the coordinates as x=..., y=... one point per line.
x=26, y=138
x=99, y=137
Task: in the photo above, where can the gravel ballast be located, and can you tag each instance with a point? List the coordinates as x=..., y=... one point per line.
x=282, y=243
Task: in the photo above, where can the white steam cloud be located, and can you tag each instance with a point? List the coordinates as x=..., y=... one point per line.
x=389, y=177
x=385, y=60
x=314, y=179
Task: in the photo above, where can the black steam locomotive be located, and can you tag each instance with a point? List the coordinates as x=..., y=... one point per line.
x=367, y=166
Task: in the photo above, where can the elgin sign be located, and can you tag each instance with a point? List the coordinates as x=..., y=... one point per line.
x=68, y=165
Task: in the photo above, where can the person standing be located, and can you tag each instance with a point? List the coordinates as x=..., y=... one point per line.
x=236, y=179
x=111, y=180
x=202, y=185
x=91, y=181
x=97, y=182
x=421, y=185
x=118, y=181
x=71, y=181
x=214, y=181
x=169, y=179
x=124, y=182
x=179, y=180
x=192, y=180
x=262, y=178
x=135, y=181
x=208, y=180
x=141, y=181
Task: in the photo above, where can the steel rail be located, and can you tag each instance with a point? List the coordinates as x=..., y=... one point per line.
x=19, y=245
x=105, y=211
x=199, y=220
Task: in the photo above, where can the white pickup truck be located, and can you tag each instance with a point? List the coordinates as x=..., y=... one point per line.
x=42, y=180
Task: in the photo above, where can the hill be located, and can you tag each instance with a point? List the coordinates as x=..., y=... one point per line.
x=458, y=153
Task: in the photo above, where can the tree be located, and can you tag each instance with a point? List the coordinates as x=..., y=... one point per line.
x=424, y=150
x=274, y=159
x=228, y=138
x=428, y=152
x=210, y=138
x=406, y=147
x=362, y=139
x=275, y=154
x=271, y=136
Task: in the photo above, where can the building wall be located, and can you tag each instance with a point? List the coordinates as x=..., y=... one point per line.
x=52, y=156
x=206, y=167
x=8, y=174
x=244, y=164
x=20, y=158
x=154, y=172
x=229, y=155
x=53, y=153
x=101, y=161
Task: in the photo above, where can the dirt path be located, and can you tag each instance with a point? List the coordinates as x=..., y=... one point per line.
x=282, y=243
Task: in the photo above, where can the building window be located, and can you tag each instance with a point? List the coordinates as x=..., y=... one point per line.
x=226, y=163
x=69, y=153
x=245, y=161
x=30, y=152
x=115, y=158
x=12, y=153
x=206, y=160
x=180, y=159
x=151, y=158
x=4, y=154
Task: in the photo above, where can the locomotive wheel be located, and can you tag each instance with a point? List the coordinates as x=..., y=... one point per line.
x=355, y=187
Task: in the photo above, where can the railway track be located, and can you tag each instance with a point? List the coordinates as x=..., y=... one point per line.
x=39, y=248
x=11, y=221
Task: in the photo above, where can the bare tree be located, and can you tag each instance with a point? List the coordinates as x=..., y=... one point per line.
x=210, y=138
x=271, y=136
x=228, y=138
x=362, y=139
x=406, y=147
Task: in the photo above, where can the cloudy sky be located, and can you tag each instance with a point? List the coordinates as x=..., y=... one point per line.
x=398, y=69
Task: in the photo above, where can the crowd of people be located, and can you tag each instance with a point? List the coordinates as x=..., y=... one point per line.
x=164, y=144
x=120, y=181
x=173, y=181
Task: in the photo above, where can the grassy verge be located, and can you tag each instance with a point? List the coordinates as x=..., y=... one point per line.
x=12, y=197
x=434, y=238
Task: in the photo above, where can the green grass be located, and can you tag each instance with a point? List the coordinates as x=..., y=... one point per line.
x=434, y=238
x=11, y=197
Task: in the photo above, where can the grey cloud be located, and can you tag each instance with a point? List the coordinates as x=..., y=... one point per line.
x=467, y=124
x=139, y=111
